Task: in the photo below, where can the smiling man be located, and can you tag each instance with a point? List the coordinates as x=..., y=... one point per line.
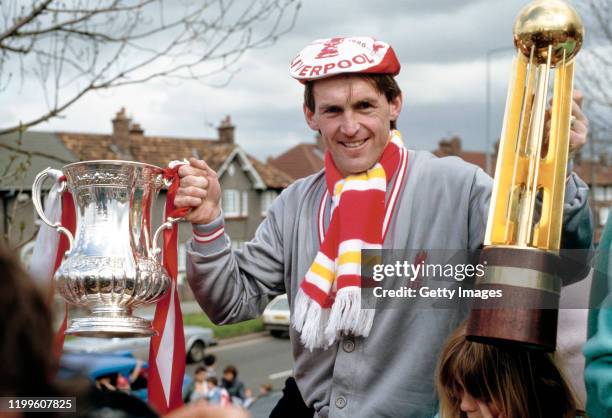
x=373, y=193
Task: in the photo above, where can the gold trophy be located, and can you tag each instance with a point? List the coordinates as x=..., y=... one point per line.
x=521, y=245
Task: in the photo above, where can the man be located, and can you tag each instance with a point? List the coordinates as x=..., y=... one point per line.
x=350, y=362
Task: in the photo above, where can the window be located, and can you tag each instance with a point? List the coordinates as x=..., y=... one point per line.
x=267, y=198
x=244, y=209
x=609, y=193
x=603, y=215
x=230, y=202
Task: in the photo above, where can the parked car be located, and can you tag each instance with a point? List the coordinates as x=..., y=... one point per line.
x=276, y=316
x=197, y=339
x=96, y=365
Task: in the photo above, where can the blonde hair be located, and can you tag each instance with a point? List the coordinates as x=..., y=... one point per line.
x=519, y=382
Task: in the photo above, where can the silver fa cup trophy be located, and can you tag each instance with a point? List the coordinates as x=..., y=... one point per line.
x=113, y=264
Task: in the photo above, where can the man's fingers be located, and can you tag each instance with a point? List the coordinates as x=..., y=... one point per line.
x=200, y=164
x=187, y=201
x=187, y=170
x=192, y=191
x=577, y=111
x=578, y=96
x=194, y=181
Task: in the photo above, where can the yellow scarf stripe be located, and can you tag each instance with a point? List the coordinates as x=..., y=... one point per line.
x=350, y=257
x=338, y=188
x=323, y=272
x=376, y=172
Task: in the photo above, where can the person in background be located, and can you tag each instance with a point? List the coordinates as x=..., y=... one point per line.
x=264, y=390
x=217, y=395
x=234, y=387
x=198, y=387
x=490, y=381
x=249, y=399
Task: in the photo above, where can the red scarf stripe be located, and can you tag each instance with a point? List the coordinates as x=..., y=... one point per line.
x=347, y=280
x=317, y=294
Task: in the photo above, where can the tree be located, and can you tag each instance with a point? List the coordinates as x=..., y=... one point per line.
x=73, y=47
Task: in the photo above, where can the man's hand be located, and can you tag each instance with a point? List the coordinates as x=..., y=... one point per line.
x=579, y=128
x=200, y=190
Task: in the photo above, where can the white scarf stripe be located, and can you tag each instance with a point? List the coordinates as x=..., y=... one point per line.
x=318, y=281
x=349, y=269
x=379, y=184
x=325, y=261
x=356, y=245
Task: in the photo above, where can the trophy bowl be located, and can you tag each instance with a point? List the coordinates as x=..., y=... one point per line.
x=113, y=264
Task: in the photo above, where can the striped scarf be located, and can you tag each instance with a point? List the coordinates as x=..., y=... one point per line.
x=328, y=303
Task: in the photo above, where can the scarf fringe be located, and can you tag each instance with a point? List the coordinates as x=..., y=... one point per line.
x=320, y=328
x=347, y=317
x=309, y=319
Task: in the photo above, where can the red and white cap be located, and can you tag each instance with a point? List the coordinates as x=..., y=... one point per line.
x=341, y=55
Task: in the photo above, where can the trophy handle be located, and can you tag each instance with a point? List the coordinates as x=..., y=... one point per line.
x=166, y=225
x=37, y=201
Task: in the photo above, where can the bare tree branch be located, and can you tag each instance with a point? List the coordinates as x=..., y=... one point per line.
x=73, y=47
x=24, y=20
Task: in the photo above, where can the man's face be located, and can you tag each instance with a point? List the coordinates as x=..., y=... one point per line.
x=353, y=118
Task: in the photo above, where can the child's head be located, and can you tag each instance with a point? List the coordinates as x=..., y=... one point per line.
x=212, y=382
x=265, y=389
x=200, y=374
x=511, y=381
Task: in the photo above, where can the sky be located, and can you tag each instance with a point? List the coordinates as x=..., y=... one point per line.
x=442, y=46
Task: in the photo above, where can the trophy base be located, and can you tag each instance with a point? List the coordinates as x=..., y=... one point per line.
x=111, y=326
x=527, y=313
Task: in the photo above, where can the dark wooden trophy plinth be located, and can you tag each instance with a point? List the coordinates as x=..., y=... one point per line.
x=526, y=314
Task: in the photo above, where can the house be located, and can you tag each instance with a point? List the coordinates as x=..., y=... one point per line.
x=301, y=160
x=249, y=186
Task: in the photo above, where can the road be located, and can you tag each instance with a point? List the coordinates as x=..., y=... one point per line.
x=261, y=360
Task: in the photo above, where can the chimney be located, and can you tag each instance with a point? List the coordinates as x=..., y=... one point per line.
x=226, y=131
x=136, y=129
x=452, y=146
x=121, y=135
